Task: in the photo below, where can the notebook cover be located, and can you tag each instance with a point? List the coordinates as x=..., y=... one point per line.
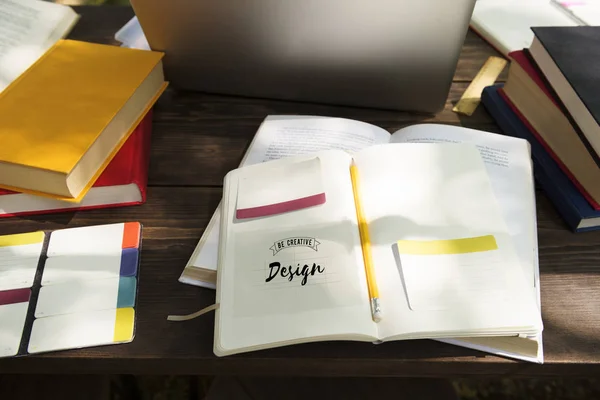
x=130, y=165
x=61, y=104
x=576, y=52
x=569, y=202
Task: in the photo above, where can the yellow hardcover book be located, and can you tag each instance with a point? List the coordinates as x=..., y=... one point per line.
x=65, y=118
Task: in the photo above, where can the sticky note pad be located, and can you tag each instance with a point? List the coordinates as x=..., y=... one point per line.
x=291, y=187
x=19, y=258
x=94, y=240
x=94, y=252
x=13, y=313
x=452, y=246
x=82, y=329
x=81, y=296
x=85, y=268
x=441, y=274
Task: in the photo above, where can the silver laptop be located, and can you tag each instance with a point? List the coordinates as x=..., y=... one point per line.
x=391, y=54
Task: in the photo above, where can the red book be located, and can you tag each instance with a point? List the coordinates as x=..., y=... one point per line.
x=123, y=182
x=521, y=58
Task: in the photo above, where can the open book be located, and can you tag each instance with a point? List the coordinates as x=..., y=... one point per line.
x=291, y=265
x=508, y=163
x=28, y=28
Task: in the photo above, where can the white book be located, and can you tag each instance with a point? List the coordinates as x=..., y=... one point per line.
x=27, y=29
x=291, y=266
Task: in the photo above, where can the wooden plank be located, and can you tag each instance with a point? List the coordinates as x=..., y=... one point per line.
x=173, y=220
x=269, y=388
x=42, y=387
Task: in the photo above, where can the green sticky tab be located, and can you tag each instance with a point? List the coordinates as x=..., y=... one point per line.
x=127, y=289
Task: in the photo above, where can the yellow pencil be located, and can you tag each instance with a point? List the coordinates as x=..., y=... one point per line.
x=363, y=228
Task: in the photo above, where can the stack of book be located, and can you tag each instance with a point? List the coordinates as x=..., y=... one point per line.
x=77, y=116
x=550, y=99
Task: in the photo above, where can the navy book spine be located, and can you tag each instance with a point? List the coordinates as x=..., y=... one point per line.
x=567, y=199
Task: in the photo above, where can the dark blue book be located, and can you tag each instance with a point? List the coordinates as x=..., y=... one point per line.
x=570, y=203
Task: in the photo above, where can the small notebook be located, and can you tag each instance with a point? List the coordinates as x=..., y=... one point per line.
x=69, y=288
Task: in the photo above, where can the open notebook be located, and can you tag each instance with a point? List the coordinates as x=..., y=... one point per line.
x=291, y=264
x=508, y=162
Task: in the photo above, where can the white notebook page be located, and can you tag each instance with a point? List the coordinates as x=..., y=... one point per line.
x=508, y=163
x=261, y=300
x=424, y=192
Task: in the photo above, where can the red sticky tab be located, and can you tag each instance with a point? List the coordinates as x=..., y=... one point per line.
x=279, y=208
x=14, y=296
x=131, y=235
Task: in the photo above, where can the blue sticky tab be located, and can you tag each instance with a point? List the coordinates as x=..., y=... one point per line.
x=127, y=290
x=129, y=262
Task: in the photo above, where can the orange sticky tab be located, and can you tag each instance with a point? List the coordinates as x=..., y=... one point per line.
x=131, y=235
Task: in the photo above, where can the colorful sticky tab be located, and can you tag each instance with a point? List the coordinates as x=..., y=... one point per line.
x=21, y=239
x=94, y=240
x=131, y=235
x=13, y=313
x=81, y=268
x=290, y=187
x=80, y=296
x=86, y=295
x=21, y=245
x=129, y=262
x=14, y=296
x=127, y=292
x=19, y=258
x=124, y=323
x=82, y=329
x=451, y=246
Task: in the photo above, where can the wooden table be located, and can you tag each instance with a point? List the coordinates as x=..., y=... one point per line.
x=196, y=139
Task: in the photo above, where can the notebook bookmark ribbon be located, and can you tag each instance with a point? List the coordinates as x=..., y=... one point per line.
x=193, y=315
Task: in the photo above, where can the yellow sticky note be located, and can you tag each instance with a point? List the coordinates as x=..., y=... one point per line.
x=21, y=239
x=451, y=246
x=124, y=322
